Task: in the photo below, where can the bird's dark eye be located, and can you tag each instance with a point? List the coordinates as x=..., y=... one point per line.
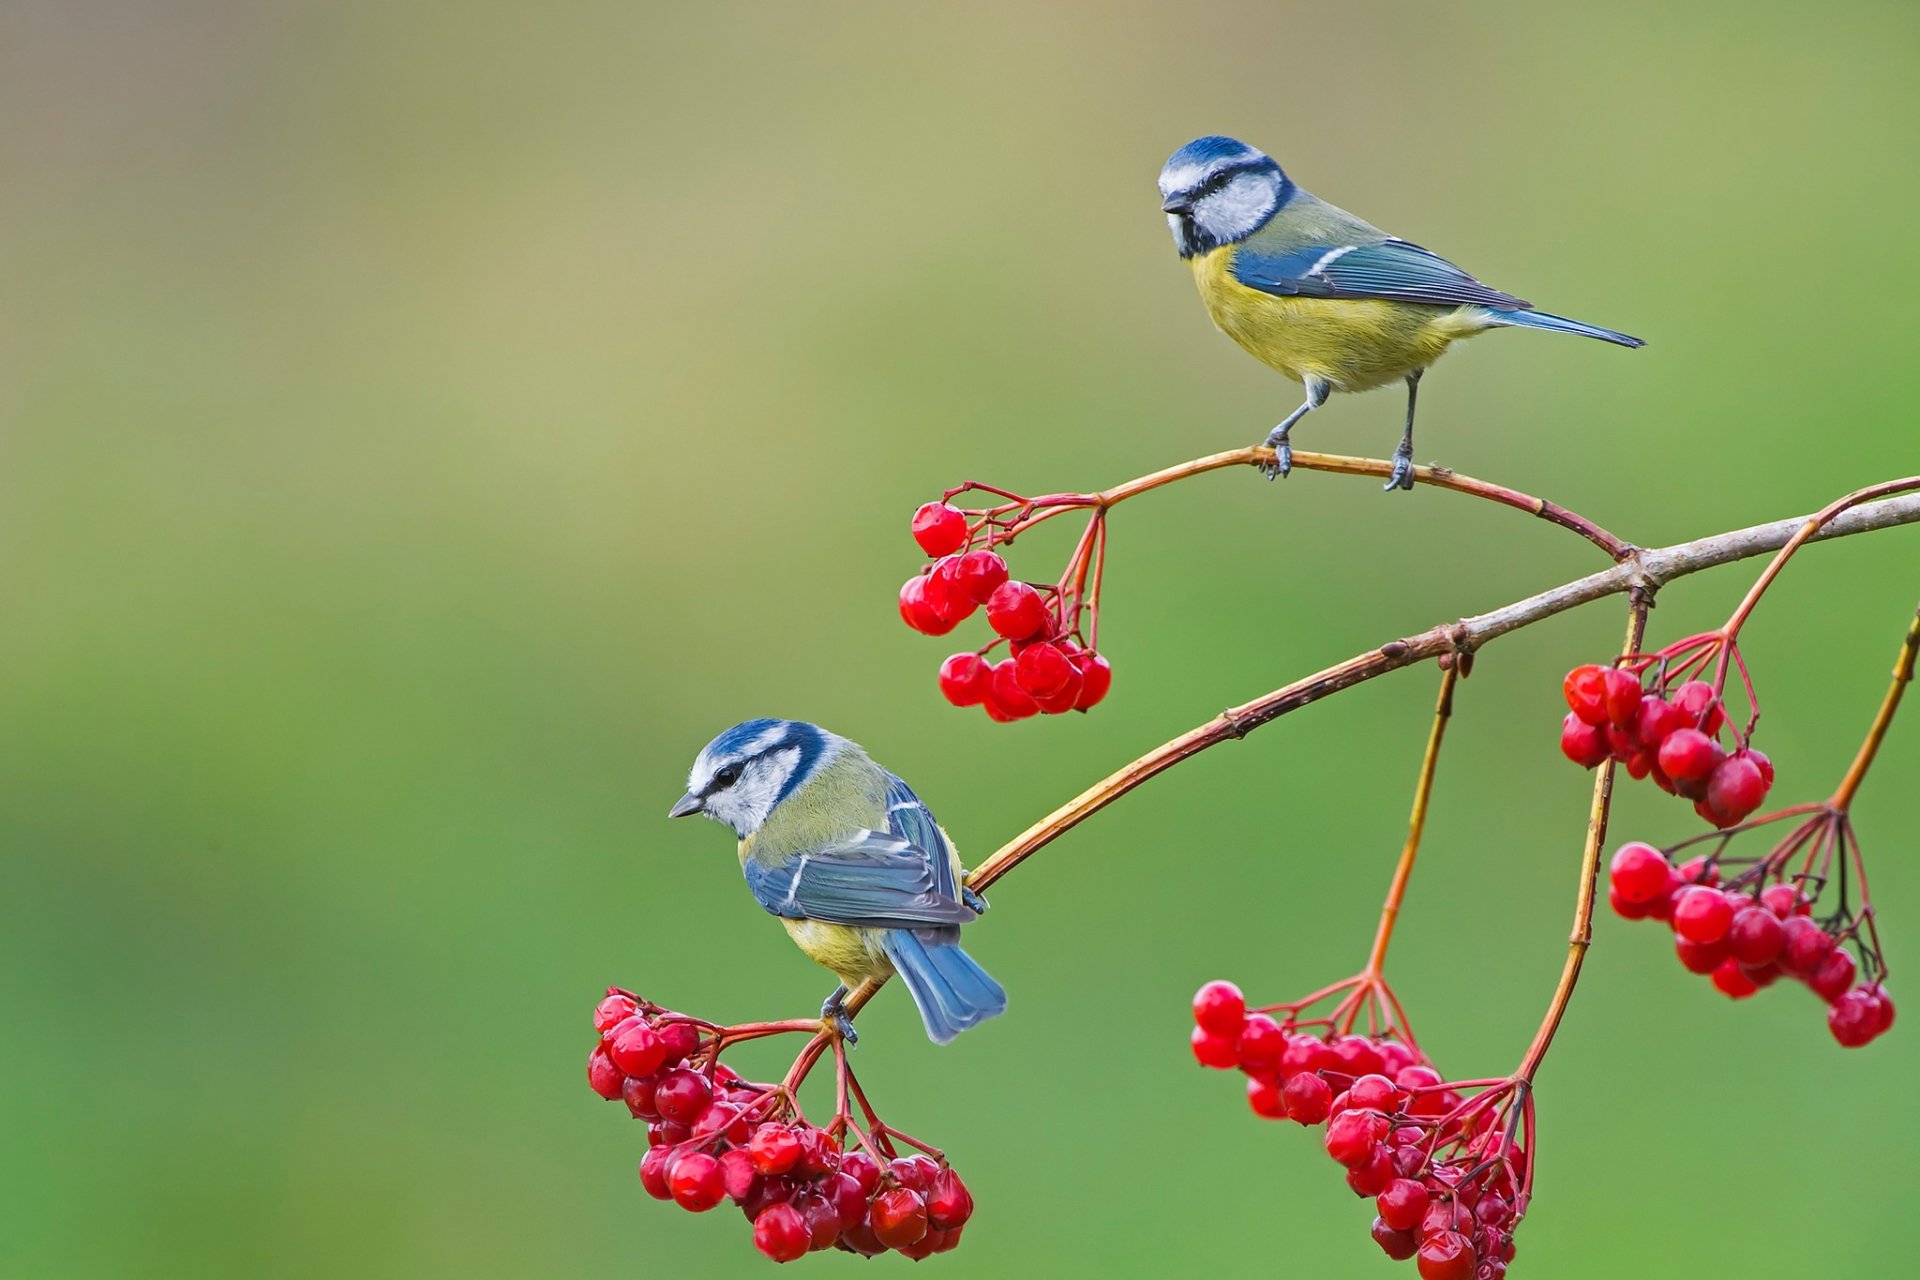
x=726, y=777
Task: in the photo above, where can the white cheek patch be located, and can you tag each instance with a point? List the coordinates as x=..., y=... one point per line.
x=1238, y=209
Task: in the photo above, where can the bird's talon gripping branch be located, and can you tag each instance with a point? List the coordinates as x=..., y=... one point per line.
x=973, y=901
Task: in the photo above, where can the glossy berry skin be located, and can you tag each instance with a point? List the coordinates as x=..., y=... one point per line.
x=949, y=1203
x=696, y=1182
x=1308, y=1098
x=1352, y=1134
x=1736, y=788
x=1640, y=873
x=1620, y=697
x=1006, y=700
x=1835, y=974
x=774, y=1148
x=612, y=1011
x=939, y=529
x=1584, y=744
x=781, y=1232
x=654, y=1167
x=1210, y=1050
x=1096, y=677
x=1856, y=1017
x=1265, y=1098
x=1755, y=936
x=639, y=1051
x=1689, y=755
x=1446, y=1255
x=1262, y=1043
x=1043, y=670
x=898, y=1217
x=1219, y=1007
x=1733, y=982
x=1402, y=1204
x=980, y=574
x=1806, y=946
x=603, y=1077
x=1701, y=914
x=1016, y=611
x=918, y=611
x=1586, y=693
x=966, y=679
x=1695, y=698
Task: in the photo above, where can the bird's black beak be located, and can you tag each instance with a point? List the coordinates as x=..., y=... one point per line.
x=686, y=804
x=1177, y=204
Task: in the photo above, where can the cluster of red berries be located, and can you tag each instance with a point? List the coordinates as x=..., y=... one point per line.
x=1671, y=736
x=1448, y=1184
x=1749, y=937
x=1048, y=670
x=712, y=1136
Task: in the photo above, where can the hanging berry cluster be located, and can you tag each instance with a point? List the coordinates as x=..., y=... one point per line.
x=713, y=1136
x=1449, y=1175
x=1051, y=665
x=1671, y=731
x=1759, y=925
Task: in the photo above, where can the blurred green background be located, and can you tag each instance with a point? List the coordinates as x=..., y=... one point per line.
x=422, y=426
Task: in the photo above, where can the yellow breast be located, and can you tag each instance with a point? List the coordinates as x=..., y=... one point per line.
x=1353, y=343
x=853, y=954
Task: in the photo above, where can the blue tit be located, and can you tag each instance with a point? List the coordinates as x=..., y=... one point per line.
x=851, y=862
x=1331, y=301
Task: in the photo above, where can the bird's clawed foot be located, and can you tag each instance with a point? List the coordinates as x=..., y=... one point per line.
x=1282, y=463
x=835, y=1012
x=973, y=901
x=1402, y=477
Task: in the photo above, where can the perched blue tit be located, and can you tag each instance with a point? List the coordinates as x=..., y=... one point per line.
x=1331, y=301
x=854, y=865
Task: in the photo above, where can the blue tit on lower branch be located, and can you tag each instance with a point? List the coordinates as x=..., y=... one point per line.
x=854, y=865
x=1331, y=301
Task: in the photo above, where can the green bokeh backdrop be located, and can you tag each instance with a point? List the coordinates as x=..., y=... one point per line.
x=423, y=425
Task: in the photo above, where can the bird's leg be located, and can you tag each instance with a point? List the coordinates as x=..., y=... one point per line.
x=1402, y=477
x=833, y=1010
x=1317, y=392
x=973, y=901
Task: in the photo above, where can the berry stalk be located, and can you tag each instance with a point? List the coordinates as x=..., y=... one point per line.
x=1902, y=677
x=1416, y=822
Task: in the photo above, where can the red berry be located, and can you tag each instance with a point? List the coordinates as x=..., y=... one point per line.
x=639, y=1051
x=612, y=1011
x=916, y=1171
x=980, y=574
x=1701, y=914
x=1689, y=755
x=1357, y=1056
x=822, y=1219
x=939, y=529
x=654, y=1167
x=1446, y=1255
x=1621, y=696
x=1761, y=762
x=682, y=1096
x=781, y=1233
x=1700, y=957
x=858, y=1237
x=1402, y=1204
x=863, y=1169
x=1016, y=611
x=774, y=1148
x=1064, y=699
x=696, y=1182
x=1835, y=974
x=1696, y=699
x=918, y=611
x=1586, y=692
x=1755, y=936
x=945, y=594
x=1043, y=670
x=637, y=1093
x=1352, y=1136
x=1210, y=1050
x=1262, y=1044
x=723, y=1119
x=1584, y=744
x=949, y=1203
x=1006, y=700
x=1371, y=1178
x=1732, y=981
x=1627, y=910
x=1735, y=788
x=1220, y=1008
x=1657, y=718
x=1375, y=1093
x=738, y=1176
x=1399, y=1245
x=1855, y=1018
x=848, y=1198
x=682, y=1039
x=1806, y=948
x=898, y=1217
x=1886, y=1006
x=1640, y=873
x=603, y=1077
x=1265, y=1097
x=1096, y=677
x=1308, y=1098
x=965, y=679
x=1784, y=900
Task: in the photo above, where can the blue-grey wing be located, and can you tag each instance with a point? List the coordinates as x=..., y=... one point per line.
x=1391, y=270
x=913, y=822
x=872, y=879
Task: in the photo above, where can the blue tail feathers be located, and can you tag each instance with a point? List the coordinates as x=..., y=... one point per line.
x=1560, y=324
x=952, y=990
